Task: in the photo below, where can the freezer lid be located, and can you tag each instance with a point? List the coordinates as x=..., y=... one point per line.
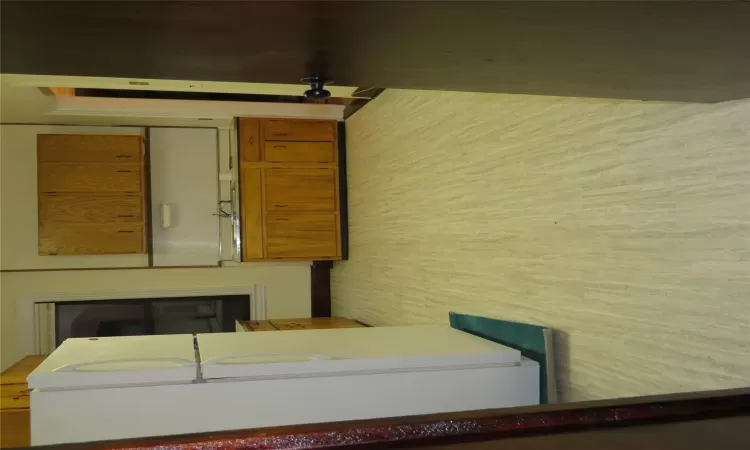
x=279, y=354
x=114, y=361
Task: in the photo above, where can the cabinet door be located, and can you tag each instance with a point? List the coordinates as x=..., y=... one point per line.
x=297, y=130
x=249, y=140
x=64, y=177
x=300, y=190
x=283, y=151
x=85, y=208
x=88, y=148
x=302, y=235
x=91, y=239
x=252, y=218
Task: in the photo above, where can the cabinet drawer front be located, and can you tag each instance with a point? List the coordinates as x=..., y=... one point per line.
x=89, y=208
x=14, y=396
x=281, y=151
x=90, y=239
x=300, y=189
x=89, y=178
x=301, y=235
x=298, y=130
x=88, y=148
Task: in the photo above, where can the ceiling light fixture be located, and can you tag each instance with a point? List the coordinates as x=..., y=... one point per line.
x=317, y=88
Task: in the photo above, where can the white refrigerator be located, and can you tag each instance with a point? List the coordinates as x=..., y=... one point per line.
x=184, y=196
x=92, y=389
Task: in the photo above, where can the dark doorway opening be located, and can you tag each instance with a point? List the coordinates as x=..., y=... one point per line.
x=149, y=316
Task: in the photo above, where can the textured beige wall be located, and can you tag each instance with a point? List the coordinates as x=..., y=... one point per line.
x=623, y=224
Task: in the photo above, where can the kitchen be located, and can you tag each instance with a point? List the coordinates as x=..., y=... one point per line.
x=519, y=232
x=159, y=190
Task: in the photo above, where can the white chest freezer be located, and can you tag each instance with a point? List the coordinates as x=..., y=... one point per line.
x=114, y=388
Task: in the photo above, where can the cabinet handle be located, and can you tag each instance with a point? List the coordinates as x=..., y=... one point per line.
x=281, y=218
x=124, y=156
x=251, y=140
x=279, y=146
x=281, y=134
x=125, y=171
x=281, y=206
x=125, y=215
x=125, y=231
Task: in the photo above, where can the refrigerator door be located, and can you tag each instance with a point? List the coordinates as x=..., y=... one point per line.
x=116, y=361
x=289, y=354
x=184, y=196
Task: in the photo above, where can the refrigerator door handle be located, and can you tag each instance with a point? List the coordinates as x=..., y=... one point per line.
x=173, y=361
x=166, y=215
x=267, y=358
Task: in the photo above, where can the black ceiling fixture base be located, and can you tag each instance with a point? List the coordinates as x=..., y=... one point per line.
x=317, y=88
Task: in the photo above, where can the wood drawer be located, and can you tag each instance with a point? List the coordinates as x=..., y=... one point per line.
x=298, y=130
x=70, y=177
x=15, y=428
x=315, y=323
x=300, y=190
x=17, y=373
x=90, y=239
x=88, y=148
x=89, y=208
x=301, y=235
x=14, y=396
x=283, y=151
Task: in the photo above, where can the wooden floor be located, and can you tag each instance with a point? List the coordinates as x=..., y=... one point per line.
x=15, y=430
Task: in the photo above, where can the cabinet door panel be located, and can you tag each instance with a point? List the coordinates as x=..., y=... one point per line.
x=249, y=140
x=282, y=151
x=301, y=235
x=89, y=208
x=300, y=190
x=252, y=218
x=90, y=239
x=88, y=148
x=60, y=177
x=297, y=130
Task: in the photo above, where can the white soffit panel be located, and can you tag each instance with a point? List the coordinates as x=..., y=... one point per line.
x=146, y=84
x=191, y=109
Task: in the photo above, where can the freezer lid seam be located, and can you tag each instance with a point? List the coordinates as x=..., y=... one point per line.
x=198, y=370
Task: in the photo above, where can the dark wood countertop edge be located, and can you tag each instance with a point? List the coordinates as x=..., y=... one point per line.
x=467, y=426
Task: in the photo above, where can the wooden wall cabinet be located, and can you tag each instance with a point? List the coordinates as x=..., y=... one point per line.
x=91, y=194
x=289, y=181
